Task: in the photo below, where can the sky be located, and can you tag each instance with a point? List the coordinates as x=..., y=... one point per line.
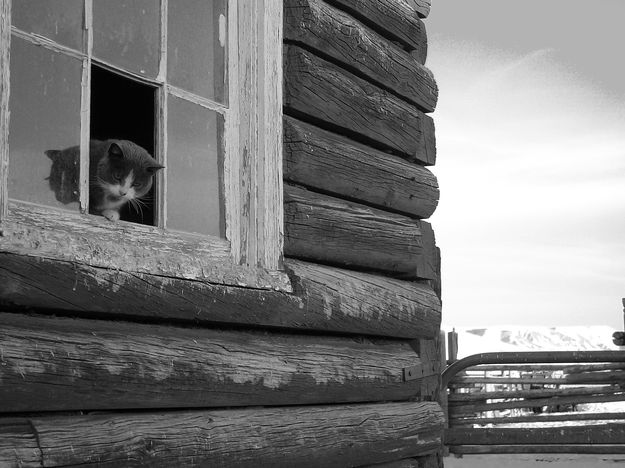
x=530, y=130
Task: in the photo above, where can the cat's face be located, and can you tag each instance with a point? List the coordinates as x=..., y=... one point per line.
x=126, y=172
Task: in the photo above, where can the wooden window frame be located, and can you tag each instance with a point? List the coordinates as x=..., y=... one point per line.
x=251, y=254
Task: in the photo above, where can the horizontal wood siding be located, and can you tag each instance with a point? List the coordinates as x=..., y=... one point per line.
x=326, y=299
x=329, y=32
x=334, y=231
x=314, y=436
x=397, y=19
x=73, y=364
x=317, y=89
x=333, y=164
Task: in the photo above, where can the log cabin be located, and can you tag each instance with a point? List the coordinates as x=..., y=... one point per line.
x=277, y=302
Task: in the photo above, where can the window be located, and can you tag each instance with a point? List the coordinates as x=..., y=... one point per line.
x=195, y=83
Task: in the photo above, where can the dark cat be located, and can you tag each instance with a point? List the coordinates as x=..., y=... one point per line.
x=120, y=172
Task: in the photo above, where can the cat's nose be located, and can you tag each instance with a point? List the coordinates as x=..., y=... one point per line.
x=122, y=192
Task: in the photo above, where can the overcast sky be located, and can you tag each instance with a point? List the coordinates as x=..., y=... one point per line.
x=531, y=160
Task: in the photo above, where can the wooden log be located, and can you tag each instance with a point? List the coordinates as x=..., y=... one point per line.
x=550, y=448
x=406, y=463
x=459, y=408
x=328, y=436
x=328, y=230
x=597, y=378
x=538, y=393
x=18, y=444
x=326, y=299
x=52, y=364
x=5, y=47
x=397, y=19
x=593, y=434
x=327, y=31
x=333, y=164
x=365, y=303
x=553, y=417
x=565, y=369
x=315, y=89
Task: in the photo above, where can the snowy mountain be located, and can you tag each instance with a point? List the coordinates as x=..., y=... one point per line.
x=484, y=340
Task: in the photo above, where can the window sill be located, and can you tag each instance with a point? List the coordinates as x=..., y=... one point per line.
x=92, y=240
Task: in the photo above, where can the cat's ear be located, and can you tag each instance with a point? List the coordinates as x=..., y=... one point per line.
x=53, y=154
x=154, y=169
x=115, y=151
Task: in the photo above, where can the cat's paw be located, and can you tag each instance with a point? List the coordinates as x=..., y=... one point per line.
x=111, y=215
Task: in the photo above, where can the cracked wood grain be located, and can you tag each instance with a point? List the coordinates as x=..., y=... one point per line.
x=333, y=33
x=313, y=436
x=333, y=164
x=321, y=91
x=329, y=230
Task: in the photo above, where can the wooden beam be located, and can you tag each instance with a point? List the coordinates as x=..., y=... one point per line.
x=318, y=90
x=58, y=364
x=326, y=299
x=328, y=230
x=333, y=164
x=5, y=46
x=537, y=393
x=461, y=408
x=314, y=436
x=398, y=20
x=591, y=434
x=327, y=31
x=549, y=448
x=554, y=417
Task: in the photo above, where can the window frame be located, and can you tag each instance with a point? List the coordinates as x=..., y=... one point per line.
x=252, y=168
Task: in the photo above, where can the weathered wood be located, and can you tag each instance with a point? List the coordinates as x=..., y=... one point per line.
x=460, y=408
x=407, y=463
x=396, y=19
x=326, y=299
x=75, y=364
x=329, y=230
x=554, y=417
x=18, y=444
x=429, y=349
x=593, y=434
x=365, y=303
x=333, y=164
x=254, y=169
x=537, y=393
x=5, y=46
x=570, y=448
x=328, y=31
x=564, y=368
x=93, y=240
x=590, y=378
x=319, y=90
x=314, y=436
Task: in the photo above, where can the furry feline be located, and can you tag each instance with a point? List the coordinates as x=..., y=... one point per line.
x=120, y=172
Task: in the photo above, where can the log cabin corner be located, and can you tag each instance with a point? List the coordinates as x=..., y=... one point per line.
x=280, y=306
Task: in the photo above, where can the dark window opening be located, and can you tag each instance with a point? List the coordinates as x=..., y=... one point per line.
x=125, y=109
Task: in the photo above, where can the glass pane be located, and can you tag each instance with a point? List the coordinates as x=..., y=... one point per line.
x=44, y=126
x=127, y=33
x=194, y=158
x=61, y=20
x=196, y=47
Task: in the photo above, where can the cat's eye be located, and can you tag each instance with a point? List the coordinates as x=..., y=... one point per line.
x=137, y=184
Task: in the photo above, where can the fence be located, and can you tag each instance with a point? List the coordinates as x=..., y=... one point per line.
x=536, y=402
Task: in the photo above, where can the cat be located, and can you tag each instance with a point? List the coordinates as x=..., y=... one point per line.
x=120, y=172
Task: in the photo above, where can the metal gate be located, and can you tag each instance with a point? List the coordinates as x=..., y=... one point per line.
x=536, y=402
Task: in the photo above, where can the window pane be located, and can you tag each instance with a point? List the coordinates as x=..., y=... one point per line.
x=45, y=117
x=61, y=20
x=194, y=158
x=196, y=47
x=127, y=33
